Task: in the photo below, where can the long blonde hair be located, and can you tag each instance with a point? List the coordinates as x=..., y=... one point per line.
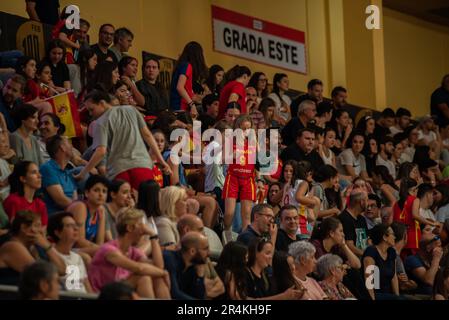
x=169, y=196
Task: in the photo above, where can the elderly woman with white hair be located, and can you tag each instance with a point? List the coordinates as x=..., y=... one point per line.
x=173, y=205
x=331, y=270
x=304, y=254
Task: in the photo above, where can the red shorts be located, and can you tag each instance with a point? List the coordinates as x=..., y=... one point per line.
x=243, y=188
x=135, y=176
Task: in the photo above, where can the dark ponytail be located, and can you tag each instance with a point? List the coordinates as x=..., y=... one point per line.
x=383, y=172
x=406, y=185
x=237, y=72
x=323, y=229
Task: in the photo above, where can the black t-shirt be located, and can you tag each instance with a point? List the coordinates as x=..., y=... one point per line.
x=249, y=235
x=439, y=96
x=290, y=131
x=155, y=100
x=294, y=152
x=206, y=121
x=257, y=287
x=387, y=268
x=354, y=229
x=283, y=240
x=101, y=56
x=47, y=10
x=59, y=73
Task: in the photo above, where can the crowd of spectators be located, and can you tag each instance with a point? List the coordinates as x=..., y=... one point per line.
x=350, y=202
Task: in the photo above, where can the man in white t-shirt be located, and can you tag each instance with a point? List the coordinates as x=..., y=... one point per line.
x=427, y=131
x=63, y=229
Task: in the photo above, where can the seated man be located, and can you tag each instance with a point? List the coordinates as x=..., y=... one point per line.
x=423, y=266
x=58, y=184
x=288, y=232
x=262, y=224
x=191, y=277
x=190, y=222
x=10, y=97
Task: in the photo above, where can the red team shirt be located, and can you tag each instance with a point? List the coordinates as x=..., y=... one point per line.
x=405, y=216
x=14, y=203
x=230, y=88
x=239, y=182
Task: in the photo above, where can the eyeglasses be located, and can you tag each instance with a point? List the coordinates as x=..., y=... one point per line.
x=343, y=267
x=271, y=217
x=371, y=206
x=107, y=33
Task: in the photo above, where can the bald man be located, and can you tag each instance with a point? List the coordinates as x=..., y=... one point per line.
x=188, y=223
x=187, y=278
x=354, y=224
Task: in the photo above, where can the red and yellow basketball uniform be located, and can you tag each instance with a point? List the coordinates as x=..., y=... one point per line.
x=405, y=216
x=240, y=179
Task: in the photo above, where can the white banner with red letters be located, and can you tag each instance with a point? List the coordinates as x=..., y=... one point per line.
x=258, y=40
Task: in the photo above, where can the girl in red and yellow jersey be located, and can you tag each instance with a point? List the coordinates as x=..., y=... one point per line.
x=240, y=178
x=406, y=210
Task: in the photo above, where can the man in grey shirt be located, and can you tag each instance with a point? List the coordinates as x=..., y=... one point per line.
x=120, y=135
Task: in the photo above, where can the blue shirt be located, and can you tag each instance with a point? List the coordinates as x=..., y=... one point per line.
x=175, y=97
x=414, y=262
x=185, y=284
x=52, y=174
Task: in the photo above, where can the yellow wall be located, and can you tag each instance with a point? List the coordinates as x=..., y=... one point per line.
x=399, y=65
x=416, y=58
x=165, y=26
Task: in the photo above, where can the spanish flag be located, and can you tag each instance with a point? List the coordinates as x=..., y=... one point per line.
x=65, y=107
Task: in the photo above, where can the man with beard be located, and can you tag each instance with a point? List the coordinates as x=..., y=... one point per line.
x=354, y=224
x=186, y=267
x=288, y=233
x=314, y=93
x=386, y=145
x=403, y=117
x=339, y=97
x=105, y=38
x=262, y=225
x=11, y=94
